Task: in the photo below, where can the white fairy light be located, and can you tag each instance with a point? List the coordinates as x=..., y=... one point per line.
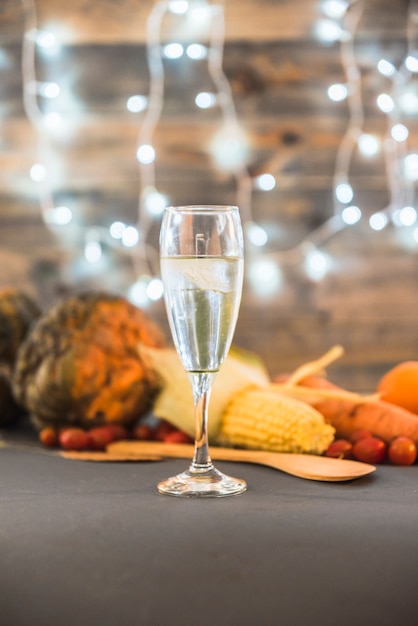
x=407, y=216
x=155, y=289
x=256, y=234
x=173, y=51
x=229, y=149
x=145, y=289
x=130, y=236
x=368, y=145
x=93, y=251
x=265, y=182
x=317, y=264
x=328, y=31
x=411, y=166
x=344, y=193
x=337, y=92
x=53, y=120
x=415, y=234
x=37, y=172
x=116, y=229
x=59, y=216
x=45, y=39
x=351, y=215
x=386, y=68
x=145, y=154
x=179, y=7
x=411, y=63
x=408, y=102
x=378, y=220
x=155, y=203
x=334, y=8
x=264, y=276
x=385, y=103
x=136, y=103
x=196, y=51
x=399, y=132
x=49, y=90
x=205, y=100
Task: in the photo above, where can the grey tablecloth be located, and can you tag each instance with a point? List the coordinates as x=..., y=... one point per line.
x=88, y=543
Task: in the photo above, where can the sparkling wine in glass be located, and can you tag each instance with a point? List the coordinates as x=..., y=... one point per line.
x=201, y=256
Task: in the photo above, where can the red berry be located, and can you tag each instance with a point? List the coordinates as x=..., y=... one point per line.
x=48, y=437
x=100, y=437
x=402, y=451
x=361, y=433
x=119, y=431
x=340, y=449
x=177, y=436
x=163, y=429
x=143, y=432
x=370, y=450
x=73, y=439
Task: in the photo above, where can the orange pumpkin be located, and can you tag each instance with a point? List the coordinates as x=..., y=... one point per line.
x=80, y=363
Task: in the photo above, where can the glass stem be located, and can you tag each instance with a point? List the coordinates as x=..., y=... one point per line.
x=201, y=386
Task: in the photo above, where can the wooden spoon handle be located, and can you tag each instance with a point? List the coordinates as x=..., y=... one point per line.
x=308, y=466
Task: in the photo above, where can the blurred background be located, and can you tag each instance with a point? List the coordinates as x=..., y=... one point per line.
x=302, y=112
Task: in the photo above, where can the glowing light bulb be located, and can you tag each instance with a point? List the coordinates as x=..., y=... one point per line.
x=145, y=154
x=351, y=215
x=93, y=251
x=411, y=63
x=136, y=103
x=328, y=31
x=265, y=182
x=378, y=221
x=137, y=293
x=116, y=230
x=344, y=193
x=408, y=102
x=60, y=216
x=130, y=236
x=45, y=39
x=337, y=92
x=265, y=277
x=196, y=51
x=399, y=132
x=256, y=234
x=385, y=103
x=368, y=145
x=179, y=7
x=205, y=100
x=229, y=149
x=317, y=264
x=173, y=50
x=386, y=68
x=334, y=8
x=155, y=203
x=407, y=216
x=37, y=172
x=49, y=90
x=411, y=166
x=53, y=120
x=155, y=289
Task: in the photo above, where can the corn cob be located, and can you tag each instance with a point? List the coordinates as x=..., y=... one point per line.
x=263, y=419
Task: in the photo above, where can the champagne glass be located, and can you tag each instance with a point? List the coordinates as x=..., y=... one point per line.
x=201, y=256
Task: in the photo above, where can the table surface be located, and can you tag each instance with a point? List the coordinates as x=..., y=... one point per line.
x=94, y=543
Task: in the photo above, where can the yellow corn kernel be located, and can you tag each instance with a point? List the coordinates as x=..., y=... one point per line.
x=263, y=419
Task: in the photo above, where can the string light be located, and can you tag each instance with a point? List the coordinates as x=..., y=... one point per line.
x=229, y=146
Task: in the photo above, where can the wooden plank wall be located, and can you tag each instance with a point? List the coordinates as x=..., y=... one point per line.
x=278, y=72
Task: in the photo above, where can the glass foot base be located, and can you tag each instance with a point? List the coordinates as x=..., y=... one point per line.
x=207, y=483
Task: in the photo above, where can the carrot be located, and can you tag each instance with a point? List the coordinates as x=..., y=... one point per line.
x=381, y=418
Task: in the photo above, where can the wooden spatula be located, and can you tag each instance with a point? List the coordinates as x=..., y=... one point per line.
x=306, y=466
